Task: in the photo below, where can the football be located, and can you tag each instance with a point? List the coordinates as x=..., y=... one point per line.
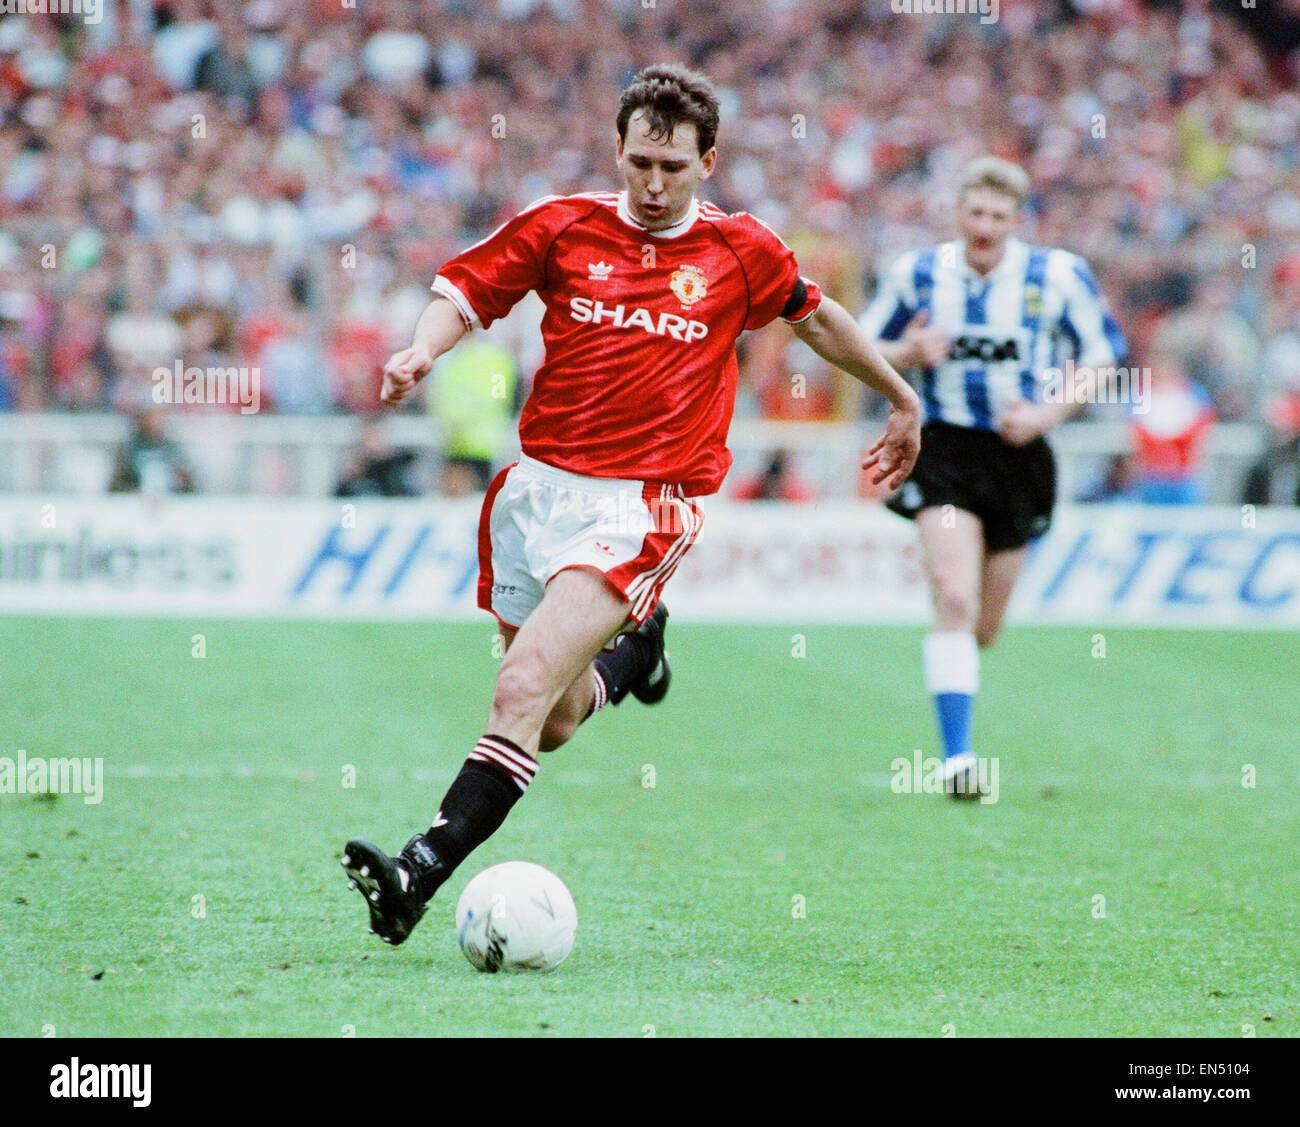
x=516, y=917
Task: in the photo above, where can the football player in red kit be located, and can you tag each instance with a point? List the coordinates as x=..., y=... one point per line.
x=646, y=291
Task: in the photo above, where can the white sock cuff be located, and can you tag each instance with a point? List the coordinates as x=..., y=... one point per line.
x=952, y=663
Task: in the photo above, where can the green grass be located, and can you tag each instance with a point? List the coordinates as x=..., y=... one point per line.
x=1120, y=777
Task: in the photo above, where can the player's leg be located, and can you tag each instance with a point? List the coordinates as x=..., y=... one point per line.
x=557, y=643
x=637, y=665
x=554, y=557
x=952, y=548
x=574, y=706
x=1000, y=571
x=577, y=615
x=1024, y=479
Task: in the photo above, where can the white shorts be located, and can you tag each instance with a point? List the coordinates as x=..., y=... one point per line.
x=538, y=521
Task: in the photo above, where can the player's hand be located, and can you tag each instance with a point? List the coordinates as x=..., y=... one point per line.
x=403, y=371
x=1021, y=422
x=894, y=453
x=923, y=344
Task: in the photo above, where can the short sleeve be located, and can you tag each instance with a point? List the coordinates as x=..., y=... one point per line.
x=1086, y=321
x=771, y=273
x=485, y=281
x=894, y=304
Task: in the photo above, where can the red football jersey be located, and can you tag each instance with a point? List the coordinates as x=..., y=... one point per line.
x=639, y=379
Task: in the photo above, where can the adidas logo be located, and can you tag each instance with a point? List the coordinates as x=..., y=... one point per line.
x=599, y=271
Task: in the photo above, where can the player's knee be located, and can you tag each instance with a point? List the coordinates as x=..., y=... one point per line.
x=517, y=695
x=955, y=607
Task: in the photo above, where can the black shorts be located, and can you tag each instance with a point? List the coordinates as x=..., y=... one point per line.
x=1010, y=488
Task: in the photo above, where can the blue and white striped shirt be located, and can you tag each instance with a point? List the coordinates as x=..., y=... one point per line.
x=1008, y=328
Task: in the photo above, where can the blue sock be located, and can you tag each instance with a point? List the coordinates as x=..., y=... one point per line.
x=952, y=678
x=954, y=710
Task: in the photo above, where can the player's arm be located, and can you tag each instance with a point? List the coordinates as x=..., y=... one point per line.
x=440, y=326
x=835, y=336
x=920, y=346
x=1022, y=421
x=901, y=330
x=479, y=286
x=1098, y=344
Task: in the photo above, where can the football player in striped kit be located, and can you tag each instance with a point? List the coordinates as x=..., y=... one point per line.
x=982, y=322
x=645, y=292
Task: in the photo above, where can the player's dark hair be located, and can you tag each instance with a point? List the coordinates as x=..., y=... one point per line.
x=671, y=95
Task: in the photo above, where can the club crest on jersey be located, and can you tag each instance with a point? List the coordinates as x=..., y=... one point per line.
x=688, y=284
x=1033, y=301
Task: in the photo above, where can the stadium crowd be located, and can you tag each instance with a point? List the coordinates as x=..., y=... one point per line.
x=274, y=184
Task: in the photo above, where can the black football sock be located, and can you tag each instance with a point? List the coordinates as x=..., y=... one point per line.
x=622, y=667
x=496, y=773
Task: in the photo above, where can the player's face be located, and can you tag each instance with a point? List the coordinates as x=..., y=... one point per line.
x=986, y=217
x=662, y=175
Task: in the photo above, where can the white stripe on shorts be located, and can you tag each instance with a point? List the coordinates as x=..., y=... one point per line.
x=641, y=589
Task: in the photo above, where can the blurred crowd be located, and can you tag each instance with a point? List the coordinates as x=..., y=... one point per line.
x=274, y=184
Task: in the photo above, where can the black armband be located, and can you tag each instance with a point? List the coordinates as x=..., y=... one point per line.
x=797, y=297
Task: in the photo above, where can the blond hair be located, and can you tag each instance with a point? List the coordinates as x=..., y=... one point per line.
x=998, y=174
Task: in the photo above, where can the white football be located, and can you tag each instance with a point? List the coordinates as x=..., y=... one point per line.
x=516, y=917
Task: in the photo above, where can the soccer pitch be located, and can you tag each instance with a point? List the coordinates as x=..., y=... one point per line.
x=741, y=863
